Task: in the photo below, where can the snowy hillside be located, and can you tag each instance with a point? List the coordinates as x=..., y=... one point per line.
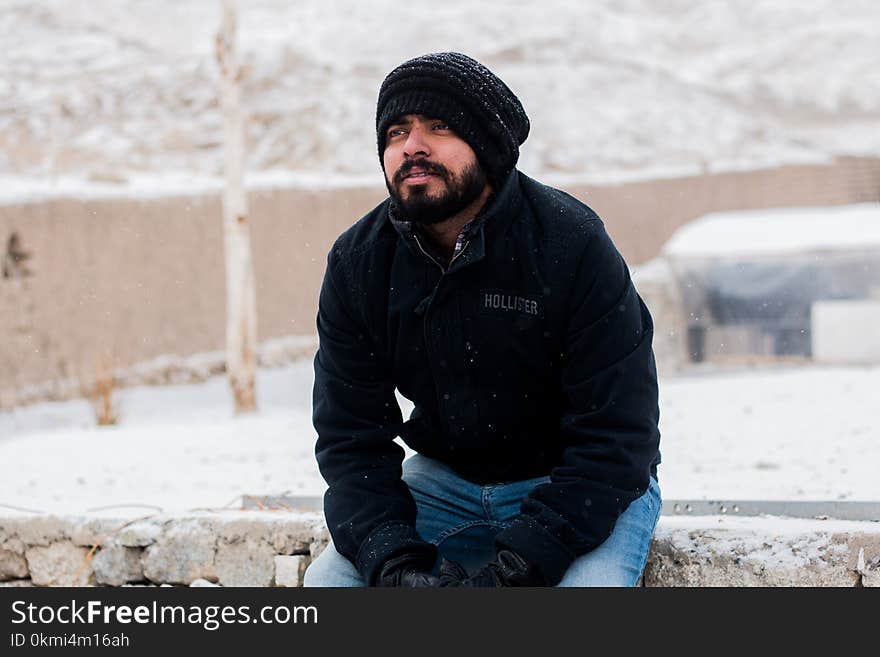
x=106, y=89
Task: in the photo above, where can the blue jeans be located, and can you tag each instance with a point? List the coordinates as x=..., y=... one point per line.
x=461, y=518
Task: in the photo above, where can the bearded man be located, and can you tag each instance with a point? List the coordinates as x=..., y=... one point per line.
x=500, y=307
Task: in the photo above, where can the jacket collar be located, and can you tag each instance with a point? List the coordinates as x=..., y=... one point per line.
x=491, y=223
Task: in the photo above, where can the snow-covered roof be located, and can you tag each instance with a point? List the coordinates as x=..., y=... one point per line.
x=778, y=232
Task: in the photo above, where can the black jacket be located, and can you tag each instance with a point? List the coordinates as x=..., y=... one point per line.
x=531, y=354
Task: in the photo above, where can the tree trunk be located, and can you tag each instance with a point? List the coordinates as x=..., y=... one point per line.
x=241, y=312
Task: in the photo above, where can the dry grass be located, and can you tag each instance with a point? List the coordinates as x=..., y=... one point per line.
x=103, y=401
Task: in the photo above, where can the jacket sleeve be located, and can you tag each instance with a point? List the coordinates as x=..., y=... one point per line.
x=609, y=425
x=370, y=511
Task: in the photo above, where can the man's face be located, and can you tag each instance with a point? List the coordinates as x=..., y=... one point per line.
x=430, y=171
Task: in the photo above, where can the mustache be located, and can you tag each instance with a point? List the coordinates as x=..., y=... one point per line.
x=431, y=167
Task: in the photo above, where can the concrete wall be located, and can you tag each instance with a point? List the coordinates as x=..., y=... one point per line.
x=273, y=548
x=120, y=281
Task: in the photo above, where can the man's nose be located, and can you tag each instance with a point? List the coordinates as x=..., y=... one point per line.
x=416, y=144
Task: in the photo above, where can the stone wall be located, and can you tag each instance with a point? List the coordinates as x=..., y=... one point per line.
x=740, y=551
x=246, y=548
x=273, y=548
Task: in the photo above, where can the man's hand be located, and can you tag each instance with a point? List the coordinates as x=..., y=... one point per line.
x=508, y=569
x=407, y=571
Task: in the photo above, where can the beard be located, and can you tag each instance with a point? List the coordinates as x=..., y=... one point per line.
x=422, y=208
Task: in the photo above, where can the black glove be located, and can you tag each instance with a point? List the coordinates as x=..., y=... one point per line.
x=508, y=569
x=407, y=571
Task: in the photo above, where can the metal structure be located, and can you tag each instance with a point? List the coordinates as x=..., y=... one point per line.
x=817, y=510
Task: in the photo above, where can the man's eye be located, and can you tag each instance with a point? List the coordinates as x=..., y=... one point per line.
x=441, y=126
x=394, y=132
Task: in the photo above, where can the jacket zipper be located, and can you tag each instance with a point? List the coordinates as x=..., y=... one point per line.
x=427, y=255
x=428, y=308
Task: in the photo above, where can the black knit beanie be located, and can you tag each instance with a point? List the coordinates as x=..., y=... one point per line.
x=475, y=103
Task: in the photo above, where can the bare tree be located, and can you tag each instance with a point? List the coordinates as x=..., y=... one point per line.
x=241, y=310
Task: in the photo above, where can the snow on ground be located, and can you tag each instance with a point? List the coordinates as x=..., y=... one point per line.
x=177, y=447
x=800, y=432
x=112, y=90
x=804, y=433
